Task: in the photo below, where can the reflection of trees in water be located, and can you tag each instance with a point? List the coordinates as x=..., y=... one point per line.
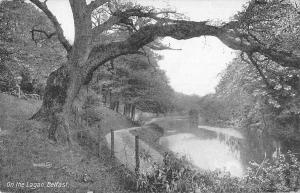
x=205, y=134
x=257, y=144
x=254, y=146
x=193, y=118
x=233, y=143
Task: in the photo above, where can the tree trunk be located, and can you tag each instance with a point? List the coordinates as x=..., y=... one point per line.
x=110, y=98
x=132, y=112
x=117, y=106
x=65, y=91
x=55, y=94
x=128, y=112
x=105, y=98
x=63, y=95
x=125, y=109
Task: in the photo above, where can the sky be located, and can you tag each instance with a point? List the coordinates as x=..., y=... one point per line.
x=195, y=67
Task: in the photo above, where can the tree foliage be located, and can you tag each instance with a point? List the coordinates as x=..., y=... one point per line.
x=243, y=99
x=24, y=48
x=255, y=90
x=137, y=80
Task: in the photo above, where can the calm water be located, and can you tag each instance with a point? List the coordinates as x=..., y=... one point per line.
x=209, y=148
x=221, y=148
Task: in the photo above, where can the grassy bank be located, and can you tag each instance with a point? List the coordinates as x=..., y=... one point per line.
x=30, y=162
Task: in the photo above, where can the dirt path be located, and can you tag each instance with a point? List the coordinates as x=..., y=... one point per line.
x=125, y=150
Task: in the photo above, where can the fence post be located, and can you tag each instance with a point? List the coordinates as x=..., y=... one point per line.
x=112, y=143
x=79, y=120
x=137, y=157
x=75, y=114
x=86, y=118
x=19, y=91
x=99, y=139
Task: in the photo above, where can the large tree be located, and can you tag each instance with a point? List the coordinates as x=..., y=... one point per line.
x=90, y=49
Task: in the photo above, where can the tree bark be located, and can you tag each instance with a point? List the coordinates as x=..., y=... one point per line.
x=55, y=94
x=62, y=95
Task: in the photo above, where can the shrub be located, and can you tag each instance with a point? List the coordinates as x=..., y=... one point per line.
x=179, y=175
x=281, y=173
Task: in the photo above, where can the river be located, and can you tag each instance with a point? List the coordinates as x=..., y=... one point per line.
x=208, y=148
x=220, y=148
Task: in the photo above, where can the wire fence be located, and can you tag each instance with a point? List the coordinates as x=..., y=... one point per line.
x=126, y=148
x=135, y=154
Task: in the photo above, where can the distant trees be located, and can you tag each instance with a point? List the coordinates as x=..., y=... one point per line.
x=243, y=99
x=183, y=103
x=194, y=118
x=211, y=110
x=135, y=82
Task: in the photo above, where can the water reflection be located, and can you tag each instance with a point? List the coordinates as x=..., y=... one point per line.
x=208, y=150
x=212, y=148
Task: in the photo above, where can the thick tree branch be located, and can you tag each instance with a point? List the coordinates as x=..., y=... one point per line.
x=234, y=40
x=181, y=30
x=113, y=20
x=123, y=17
x=103, y=53
x=147, y=34
x=55, y=22
x=159, y=46
x=255, y=64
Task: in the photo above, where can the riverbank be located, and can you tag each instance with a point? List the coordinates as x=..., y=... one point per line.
x=268, y=176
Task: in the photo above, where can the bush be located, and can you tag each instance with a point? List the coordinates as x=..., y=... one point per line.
x=282, y=173
x=7, y=82
x=178, y=175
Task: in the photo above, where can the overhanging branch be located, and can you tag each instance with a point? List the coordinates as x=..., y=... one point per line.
x=55, y=22
x=147, y=34
x=236, y=41
x=123, y=18
x=260, y=72
x=181, y=30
